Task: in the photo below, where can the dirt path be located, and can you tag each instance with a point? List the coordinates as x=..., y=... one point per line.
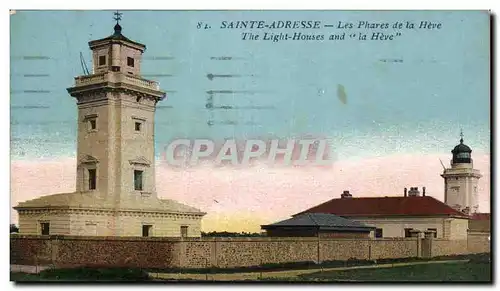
x=280, y=274
x=246, y=275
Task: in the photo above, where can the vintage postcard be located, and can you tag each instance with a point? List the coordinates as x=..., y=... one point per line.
x=250, y=146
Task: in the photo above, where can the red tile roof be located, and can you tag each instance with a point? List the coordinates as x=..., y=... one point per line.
x=481, y=216
x=386, y=206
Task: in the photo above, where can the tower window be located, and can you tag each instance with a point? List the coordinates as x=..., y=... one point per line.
x=138, y=175
x=92, y=124
x=137, y=126
x=102, y=60
x=130, y=62
x=45, y=228
x=378, y=233
x=146, y=230
x=92, y=179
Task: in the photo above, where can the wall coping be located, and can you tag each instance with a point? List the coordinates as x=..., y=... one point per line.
x=201, y=240
x=478, y=232
x=443, y=239
x=103, y=238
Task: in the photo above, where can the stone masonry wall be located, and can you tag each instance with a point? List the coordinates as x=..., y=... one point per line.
x=478, y=242
x=93, y=251
x=442, y=247
x=395, y=248
x=237, y=252
x=30, y=251
x=224, y=252
x=345, y=249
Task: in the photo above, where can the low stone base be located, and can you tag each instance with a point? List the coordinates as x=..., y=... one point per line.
x=108, y=223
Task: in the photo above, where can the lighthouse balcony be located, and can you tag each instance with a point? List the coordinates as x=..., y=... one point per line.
x=115, y=80
x=116, y=77
x=462, y=171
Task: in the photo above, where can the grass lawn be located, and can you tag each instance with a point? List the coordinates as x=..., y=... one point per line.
x=477, y=269
x=84, y=274
x=448, y=272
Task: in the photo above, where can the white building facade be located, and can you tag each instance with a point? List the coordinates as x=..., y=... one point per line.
x=443, y=227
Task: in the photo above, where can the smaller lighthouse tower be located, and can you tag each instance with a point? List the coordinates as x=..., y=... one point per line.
x=460, y=181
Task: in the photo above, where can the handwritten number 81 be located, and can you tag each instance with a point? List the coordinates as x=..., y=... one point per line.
x=202, y=25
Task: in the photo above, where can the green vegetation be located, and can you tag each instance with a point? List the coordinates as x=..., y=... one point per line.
x=478, y=269
x=83, y=274
x=266, y=267
x=446, y=272
x=308, y=265
x=478, y=272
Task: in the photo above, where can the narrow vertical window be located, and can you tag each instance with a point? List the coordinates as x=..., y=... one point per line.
x=92, y=124
x=130, y=62
x=138, y=176
x=146, y=230
x=45, y=228
x=102, y=60
x=137, y=126
x=91, y=121
x=92, y=179
x=378, y=233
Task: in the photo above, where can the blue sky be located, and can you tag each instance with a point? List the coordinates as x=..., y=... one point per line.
x=415, y=106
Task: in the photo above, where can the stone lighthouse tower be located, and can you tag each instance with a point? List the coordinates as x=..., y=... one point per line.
x=115, y=169
x=116, y=121
x=460, y=181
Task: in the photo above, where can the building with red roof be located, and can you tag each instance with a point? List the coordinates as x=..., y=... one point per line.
x=399, y=216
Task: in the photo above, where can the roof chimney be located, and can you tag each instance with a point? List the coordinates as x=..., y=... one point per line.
x=406, y=192
x=346, y=194
x=413, y=192
x=423, y=191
